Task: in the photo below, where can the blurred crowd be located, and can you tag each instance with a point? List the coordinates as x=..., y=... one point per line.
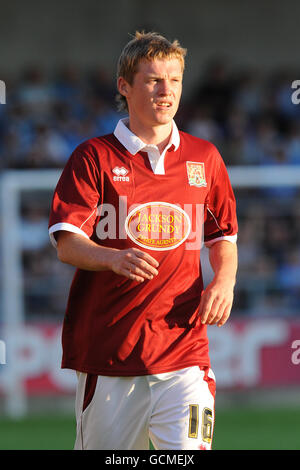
x=47, y=117
x=247, y=114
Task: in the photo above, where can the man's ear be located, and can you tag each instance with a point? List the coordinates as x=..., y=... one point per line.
x=123, y=86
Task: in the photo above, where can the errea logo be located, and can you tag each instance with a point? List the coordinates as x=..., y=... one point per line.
x=120, y=174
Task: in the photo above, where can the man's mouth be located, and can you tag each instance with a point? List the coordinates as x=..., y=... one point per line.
x=163, y=104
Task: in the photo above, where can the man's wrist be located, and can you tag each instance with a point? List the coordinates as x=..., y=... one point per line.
x=106, y=256
x=225, y=278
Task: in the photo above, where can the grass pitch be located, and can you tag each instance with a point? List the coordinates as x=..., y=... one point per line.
x=241, y=429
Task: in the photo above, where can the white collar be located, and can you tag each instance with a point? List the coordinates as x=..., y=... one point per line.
x=133, y=143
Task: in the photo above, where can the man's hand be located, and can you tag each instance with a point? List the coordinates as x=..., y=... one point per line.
x=216, y=303
x=134, y=264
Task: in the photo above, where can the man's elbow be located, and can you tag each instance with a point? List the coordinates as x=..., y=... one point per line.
x=61, y=255
x=61, y=248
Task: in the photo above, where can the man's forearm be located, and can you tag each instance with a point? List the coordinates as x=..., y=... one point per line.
x=223, y=258
x=85, y=254
x=82, y=253
x=217, y=298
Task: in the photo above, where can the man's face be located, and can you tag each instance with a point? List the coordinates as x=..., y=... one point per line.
x=153, y=97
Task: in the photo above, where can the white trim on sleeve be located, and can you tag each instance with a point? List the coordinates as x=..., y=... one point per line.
x=229, y=238
x=64, y=226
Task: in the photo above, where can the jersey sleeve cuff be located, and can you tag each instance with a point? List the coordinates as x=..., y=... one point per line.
x=64, y=226
x=229, y=238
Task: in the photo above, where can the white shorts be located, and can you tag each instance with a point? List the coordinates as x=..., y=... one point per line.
x=175, y=410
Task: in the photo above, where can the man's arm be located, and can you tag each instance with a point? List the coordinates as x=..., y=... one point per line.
x=85, y=254
x=217, y=298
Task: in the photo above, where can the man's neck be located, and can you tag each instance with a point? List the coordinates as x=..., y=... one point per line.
x=158, y=135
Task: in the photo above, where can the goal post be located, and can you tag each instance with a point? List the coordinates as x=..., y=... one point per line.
x=12, y=184
x=12, y=291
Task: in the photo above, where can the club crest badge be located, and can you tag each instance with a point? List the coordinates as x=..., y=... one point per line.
x=196, y=174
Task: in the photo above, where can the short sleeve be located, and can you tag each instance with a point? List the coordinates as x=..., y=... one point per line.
x=76, y=197
x=220, y=218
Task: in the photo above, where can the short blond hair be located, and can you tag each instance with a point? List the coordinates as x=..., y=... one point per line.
x=145, y=46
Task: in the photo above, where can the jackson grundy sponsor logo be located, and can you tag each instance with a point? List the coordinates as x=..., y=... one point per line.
x=158, y=226
x=153, y=225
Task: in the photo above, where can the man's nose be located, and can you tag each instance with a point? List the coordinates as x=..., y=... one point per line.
x=165, y=88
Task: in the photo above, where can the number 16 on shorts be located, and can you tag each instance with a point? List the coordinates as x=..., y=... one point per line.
x=206, y=423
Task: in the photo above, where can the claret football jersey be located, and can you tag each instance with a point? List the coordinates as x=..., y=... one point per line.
x=121, y=193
